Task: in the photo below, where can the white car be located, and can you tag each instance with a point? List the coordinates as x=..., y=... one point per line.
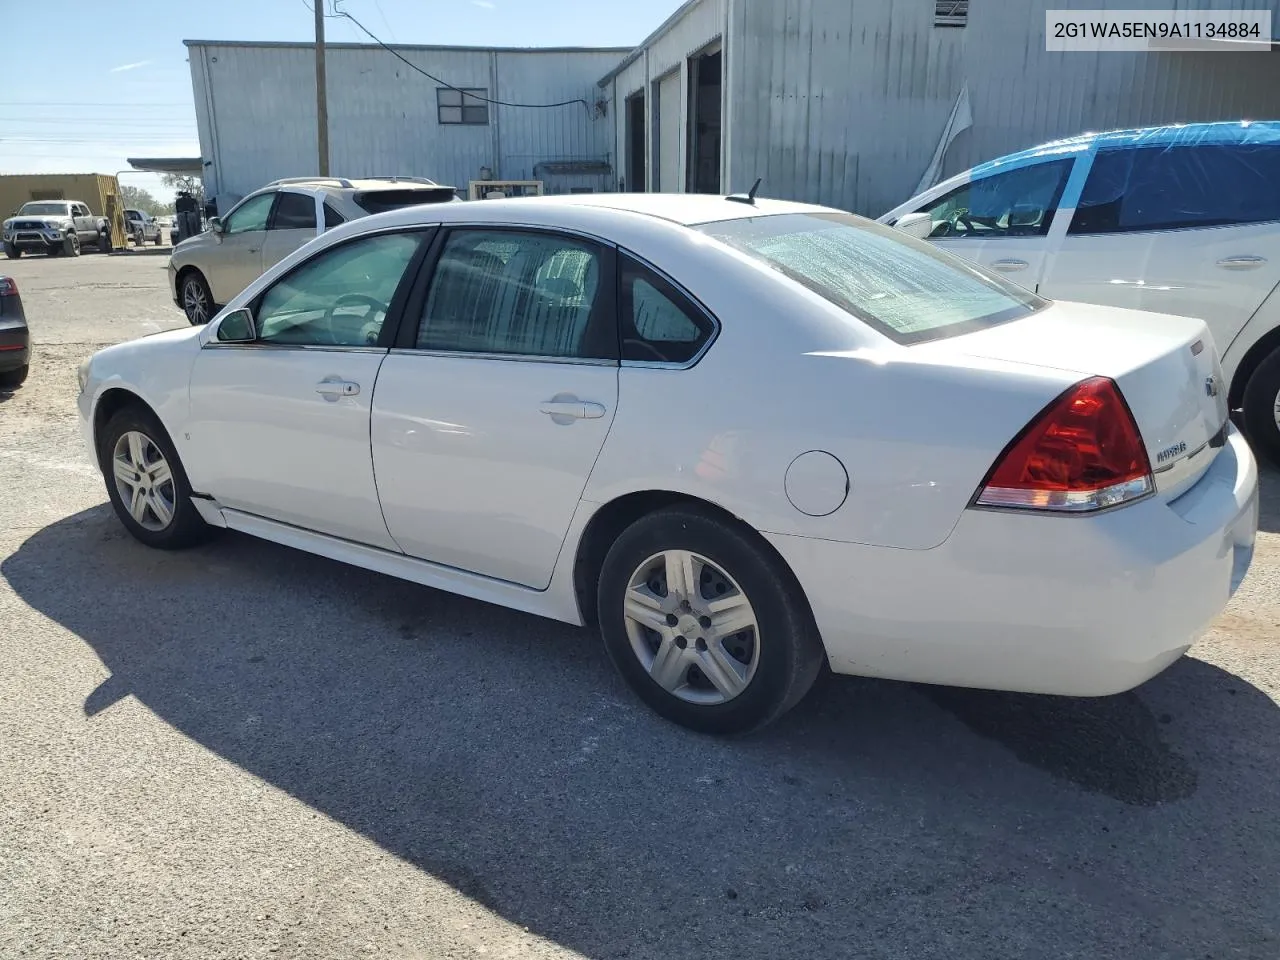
x=742, y=436
x=1181, y=219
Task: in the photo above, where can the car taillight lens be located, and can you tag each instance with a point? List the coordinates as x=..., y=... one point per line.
x=7, y=287
x=1082, y=453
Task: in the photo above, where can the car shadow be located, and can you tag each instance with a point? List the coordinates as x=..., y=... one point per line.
x=1269, y=497
x=498, y=752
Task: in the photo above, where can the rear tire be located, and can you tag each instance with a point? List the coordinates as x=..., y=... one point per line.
x=14, y=378
x=158, y=511
x=1261, y=397
x=753, y=675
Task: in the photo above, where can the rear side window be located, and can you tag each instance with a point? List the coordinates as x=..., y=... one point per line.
x=901, y=287
x=294, y=211
x=658, y=324
x=520, y=293
x=332, y=217
x=1167, y=188
x=380, y=201
x=1016, y=203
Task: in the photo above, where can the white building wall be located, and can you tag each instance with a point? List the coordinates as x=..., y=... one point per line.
x=256, y=112
x=688, y=31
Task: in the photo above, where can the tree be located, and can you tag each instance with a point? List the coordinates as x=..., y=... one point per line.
x=177, y=181
x=138, y=199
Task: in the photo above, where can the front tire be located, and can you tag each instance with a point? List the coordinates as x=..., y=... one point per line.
x=12, y=252
x=146, y=483
x=197, y=299
x=1261, y=404
x=705, y=623
x=71, y=245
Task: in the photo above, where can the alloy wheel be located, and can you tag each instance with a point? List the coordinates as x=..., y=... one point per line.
x=195, y=302
x=144, y=480
x=692, y=627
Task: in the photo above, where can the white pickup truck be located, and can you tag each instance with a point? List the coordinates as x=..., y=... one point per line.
x=55, y=227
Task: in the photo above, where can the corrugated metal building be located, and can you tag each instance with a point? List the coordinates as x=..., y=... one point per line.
x=256, y=114
x=844, y=104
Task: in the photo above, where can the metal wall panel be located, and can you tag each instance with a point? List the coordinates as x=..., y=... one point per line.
x=670, y=114
x=843, y=103
x=256, y=113
x=691, y=28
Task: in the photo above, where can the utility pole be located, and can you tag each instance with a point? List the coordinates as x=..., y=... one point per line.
x=322, y=98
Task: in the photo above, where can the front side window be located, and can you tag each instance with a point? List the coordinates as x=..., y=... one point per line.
x=294, y=211
x=339, y=298
x=514, y=292
x=455, y=105
x=1017, y=203
x=1170, y=187
x=250, y=215
x=901, y=287
x=658, y=323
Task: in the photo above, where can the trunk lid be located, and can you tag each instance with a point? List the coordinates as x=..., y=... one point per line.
x=1167, y=368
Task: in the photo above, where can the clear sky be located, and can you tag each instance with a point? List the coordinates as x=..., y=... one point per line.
x=129, y=92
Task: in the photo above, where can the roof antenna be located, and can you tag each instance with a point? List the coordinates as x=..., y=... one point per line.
x=749, y=196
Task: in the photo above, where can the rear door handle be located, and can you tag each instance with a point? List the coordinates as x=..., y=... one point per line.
x=572, y=409
x=1241, y=263
x=1009, y=266
x=332, y=388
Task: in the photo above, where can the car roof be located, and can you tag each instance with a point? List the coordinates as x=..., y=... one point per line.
x=1248, y=132
x=682, y=208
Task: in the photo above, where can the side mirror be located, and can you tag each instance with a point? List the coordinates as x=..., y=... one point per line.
x=237, y=327
x=918, y=225
x=215, y=224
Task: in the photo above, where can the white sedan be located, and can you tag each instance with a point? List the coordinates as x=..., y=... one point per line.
x=743, y=436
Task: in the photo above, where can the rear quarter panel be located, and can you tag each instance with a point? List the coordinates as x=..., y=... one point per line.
x=790, y=373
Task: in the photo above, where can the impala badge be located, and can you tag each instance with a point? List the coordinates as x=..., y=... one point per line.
x=1211, y=386
x=1169, y=453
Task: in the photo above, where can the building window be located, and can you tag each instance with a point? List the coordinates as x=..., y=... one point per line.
x=461, y=105
x=950, y=13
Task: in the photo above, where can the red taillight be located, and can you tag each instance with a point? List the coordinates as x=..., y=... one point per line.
x=7, y=287
x=1082, y=453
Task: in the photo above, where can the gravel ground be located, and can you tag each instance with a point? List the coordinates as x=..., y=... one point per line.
x=245, y=751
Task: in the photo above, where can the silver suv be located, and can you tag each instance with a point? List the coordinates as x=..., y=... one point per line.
x=208, y=270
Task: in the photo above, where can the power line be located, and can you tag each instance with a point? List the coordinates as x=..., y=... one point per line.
x=466, y=93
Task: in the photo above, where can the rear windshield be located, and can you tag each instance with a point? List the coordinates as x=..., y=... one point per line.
x=902, y=287
x=380, y=201
x=43, y=209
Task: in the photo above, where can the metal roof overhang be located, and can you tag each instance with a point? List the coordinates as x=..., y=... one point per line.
x=183, y=166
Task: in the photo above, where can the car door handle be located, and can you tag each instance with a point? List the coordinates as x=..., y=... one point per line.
x=1241, y=263
x=1009, y=266
x=332, y=389
x=573, y=409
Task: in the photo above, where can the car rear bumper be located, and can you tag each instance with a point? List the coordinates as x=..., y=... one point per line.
x=1080, y=606
x=15, y=341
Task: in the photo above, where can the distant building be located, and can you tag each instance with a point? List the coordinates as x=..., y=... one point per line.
x=847, y=104
x=256, y=114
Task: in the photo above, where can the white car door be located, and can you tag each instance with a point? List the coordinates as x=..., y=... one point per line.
x=1190, y=230
x=293, y=223
x=279, y=426
x=491, y=410
x=1002, y=220
x=234, y=259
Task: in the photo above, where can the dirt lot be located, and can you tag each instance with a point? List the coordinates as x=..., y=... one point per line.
x=246, y=751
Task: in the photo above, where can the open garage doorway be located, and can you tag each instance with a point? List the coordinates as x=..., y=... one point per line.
x=635, y=176
x=705, y=81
